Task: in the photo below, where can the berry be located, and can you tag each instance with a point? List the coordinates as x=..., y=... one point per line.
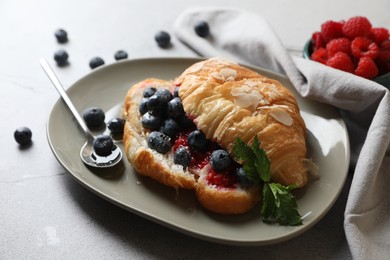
x=61, y=57
x=320, y=55
x=366, y=68
x=331, y=30
x=242, y=177
x=164, y=94
x=170, y=127
x=383, y=62
x=103, y=145
x=176, y=92
x=163, y=39
x=357, y=26
x=220, y=160
x=317, y=40
x=116, y=125
x=148, y=92
x=175, y=108
x=185, y=122
x=159, y=142
x=341, y=61
x=339, y=44
x=364, y=47
x=202, y=29
x=182, y=157
x=61, y=35
x=150, y=121
x=379, y=35
x=143, y=106
x=197, y=141
x=120, y=55
x=385, y=45
x=94, y=117
x=23, y=135
x=96, y=62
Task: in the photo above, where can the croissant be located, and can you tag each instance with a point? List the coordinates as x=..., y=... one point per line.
x=227, y=101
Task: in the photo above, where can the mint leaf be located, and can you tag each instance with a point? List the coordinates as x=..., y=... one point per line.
x=262, y=162
x=279, y=205
x=245, y=154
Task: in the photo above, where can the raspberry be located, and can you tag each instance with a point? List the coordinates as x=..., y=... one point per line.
x=339, y=44
x=341, y=61
x=317, y=41
x=331, y=30
x=379, y=35
x=366, y=68
x=320, y=55
x=385, y=46
x=383, y=62
x=364, y=47
x=357, y=26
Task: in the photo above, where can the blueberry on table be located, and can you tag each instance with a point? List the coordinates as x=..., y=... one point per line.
x=159, y=142
x=182, y=157
x=163, y=39
x=96, y=62
x=202, y=29
x=61, y=35
x=197, y=140
x=150, y=121
x=148, y=92
x=175, y=108
x=61, y=57
x=170, y=127
x=120, y=55
x=94, y=117
x=116, y=125
x=23, y=135
x=103, y=145
x=220, y=160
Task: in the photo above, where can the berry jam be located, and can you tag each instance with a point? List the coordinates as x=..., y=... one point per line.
x=226, y=178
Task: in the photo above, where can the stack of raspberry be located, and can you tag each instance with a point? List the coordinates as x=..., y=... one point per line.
x=353, y=46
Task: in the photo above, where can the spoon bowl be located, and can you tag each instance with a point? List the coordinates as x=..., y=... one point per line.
x=87, y=153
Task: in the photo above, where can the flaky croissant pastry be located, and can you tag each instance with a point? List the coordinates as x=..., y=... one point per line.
x=227, y=101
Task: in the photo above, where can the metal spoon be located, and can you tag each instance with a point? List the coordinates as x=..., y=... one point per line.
x=87, y=153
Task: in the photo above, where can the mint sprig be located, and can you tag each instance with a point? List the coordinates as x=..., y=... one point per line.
x=279, y=204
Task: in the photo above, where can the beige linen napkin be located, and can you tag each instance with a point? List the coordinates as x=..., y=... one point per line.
x=365, y=105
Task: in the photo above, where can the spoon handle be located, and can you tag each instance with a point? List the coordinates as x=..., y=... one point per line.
x=65, y=97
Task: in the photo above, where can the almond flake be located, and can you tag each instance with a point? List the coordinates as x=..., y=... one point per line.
x=216, y=75
x=226, y=73
x=281, y=115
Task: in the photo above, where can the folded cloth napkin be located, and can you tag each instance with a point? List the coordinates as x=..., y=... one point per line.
x=247, y=38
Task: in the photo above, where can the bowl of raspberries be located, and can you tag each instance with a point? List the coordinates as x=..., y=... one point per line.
x=353, y=46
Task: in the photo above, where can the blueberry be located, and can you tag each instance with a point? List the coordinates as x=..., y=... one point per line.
x=170, y=127
x=96, y=62
x=176, y=92
x=197, y=140
x=182, y=157
x=121, y=55
x=150, y=121
x=159, y=142
x=185, y=122
x=148, y=92
x=154, y=103
x=143, y=106
x=202, y=29
x=23, y=135
x=94, y=117
x=242, y=177
x=116, y=125
x=175, y=108
x=103, y=145
x=61, y=57
x=220, y=160
x=61, y=35
x=164, y=94
x=163, y=39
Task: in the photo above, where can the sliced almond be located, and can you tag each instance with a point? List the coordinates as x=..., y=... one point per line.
x=226, y=73
x=281, y=115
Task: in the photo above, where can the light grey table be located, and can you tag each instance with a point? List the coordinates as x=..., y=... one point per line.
x=45, y=213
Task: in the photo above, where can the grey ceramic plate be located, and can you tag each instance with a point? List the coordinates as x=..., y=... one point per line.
x=106, y=87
